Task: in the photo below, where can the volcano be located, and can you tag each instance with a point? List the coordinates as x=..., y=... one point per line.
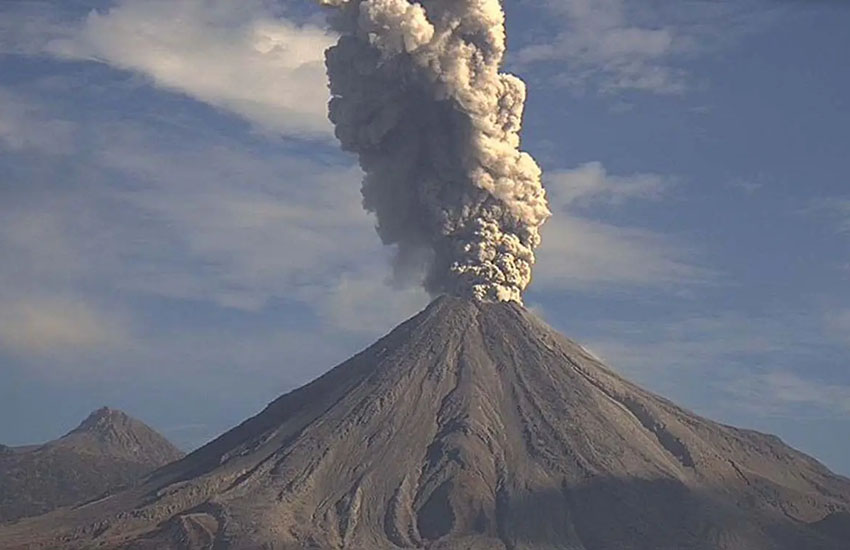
x=470, y=426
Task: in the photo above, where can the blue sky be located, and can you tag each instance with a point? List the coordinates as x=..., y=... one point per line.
x=181, y=238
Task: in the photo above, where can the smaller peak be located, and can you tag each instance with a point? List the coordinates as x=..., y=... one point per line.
x=101, y=418
x=116, y=432
x=107, y=412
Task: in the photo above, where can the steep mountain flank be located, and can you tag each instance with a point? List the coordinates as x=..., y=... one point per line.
x=470, y=426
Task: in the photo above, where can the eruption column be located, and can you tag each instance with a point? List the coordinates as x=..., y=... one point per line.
x=416, y=92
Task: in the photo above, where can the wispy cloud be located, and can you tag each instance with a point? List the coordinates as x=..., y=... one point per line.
x=243, y=229
x=46, y=327
x=238, y=56
x=212, y=223
x=836, y=209
x=731, y=364
x=746, y=186
x=600, y=42
x=26, y=125
x=619, y=45
x=26, y=27
x=838, y=323
x=203, y=218
x=784, y=393
x=581, y=252
x=591, y=183
x=656, y=350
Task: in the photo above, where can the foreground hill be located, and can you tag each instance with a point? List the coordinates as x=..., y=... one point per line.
x=108, y=451
x=471, y=426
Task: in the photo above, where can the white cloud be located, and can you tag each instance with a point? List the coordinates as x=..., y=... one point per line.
x=581, y=253
x=591, y=183
x=237, y=56
x=621, y=45
x=598, y=40
x=363, y=302
x=50, y=326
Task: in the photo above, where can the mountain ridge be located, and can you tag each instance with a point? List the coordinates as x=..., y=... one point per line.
x=108, y=450
x=470, y=426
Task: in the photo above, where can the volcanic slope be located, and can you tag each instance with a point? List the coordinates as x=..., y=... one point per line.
x=109, y=450
x=470, y=426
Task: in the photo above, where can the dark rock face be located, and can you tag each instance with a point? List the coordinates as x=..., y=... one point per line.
x=471, y=426
x=108, y=451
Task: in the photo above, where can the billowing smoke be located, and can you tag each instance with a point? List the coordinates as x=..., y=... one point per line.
x=417, y=94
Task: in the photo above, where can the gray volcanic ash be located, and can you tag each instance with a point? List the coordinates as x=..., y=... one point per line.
x=417, y=94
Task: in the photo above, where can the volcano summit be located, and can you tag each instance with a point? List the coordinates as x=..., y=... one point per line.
x=471, y=426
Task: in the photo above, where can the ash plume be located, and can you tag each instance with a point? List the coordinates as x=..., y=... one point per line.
x=417, y=94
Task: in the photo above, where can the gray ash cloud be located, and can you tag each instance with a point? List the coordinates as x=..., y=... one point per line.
x=418, y=95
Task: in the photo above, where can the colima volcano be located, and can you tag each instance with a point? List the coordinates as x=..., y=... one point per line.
x=470, y=426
